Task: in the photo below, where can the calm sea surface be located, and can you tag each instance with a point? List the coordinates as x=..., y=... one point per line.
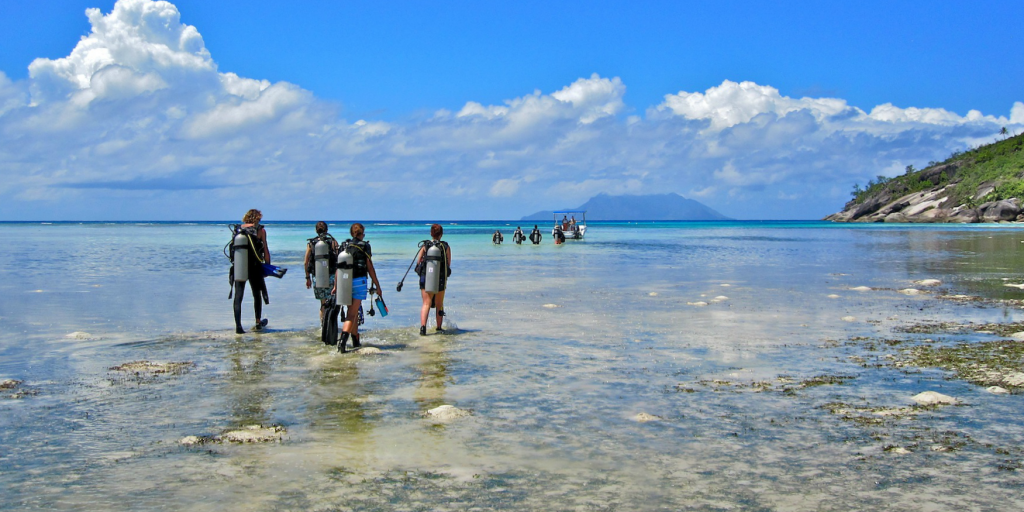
x=557, y=351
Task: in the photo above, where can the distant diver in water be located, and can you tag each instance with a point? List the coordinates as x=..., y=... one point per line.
x=535, y=236
x=558, y=235
x=518, y=236
x=497, y=238
x=249, y=252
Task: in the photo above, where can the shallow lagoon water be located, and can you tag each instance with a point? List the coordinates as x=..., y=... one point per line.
x=555, y=351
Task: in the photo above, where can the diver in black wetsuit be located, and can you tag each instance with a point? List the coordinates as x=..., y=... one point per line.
x=535, y=236
x=258, y=254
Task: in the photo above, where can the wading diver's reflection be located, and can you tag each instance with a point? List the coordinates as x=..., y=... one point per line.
x=340, y=403
x=434, y=376
x=249, y=395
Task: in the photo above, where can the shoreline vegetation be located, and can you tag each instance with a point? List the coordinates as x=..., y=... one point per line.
x=984, y=184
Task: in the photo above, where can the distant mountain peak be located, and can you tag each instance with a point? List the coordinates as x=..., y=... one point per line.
x=669, y=206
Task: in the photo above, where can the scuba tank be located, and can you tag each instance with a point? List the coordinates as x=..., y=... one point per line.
x=322, y=264
x=433, y=269
x=343, y=280
x=240, y=257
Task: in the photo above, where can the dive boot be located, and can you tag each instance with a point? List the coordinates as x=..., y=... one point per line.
x=342, y=342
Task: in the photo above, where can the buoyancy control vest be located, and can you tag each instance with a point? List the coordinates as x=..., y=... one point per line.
x=426, y=245
x=518, y=236
x=323, y=251
x=361, y=254
x=535, y=236
x=254, y=245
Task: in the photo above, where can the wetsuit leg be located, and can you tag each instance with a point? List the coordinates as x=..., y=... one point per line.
x=259, y=291
x=239, y=291
x=259, y=287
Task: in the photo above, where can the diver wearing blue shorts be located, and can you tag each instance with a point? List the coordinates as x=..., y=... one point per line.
x=362, y=268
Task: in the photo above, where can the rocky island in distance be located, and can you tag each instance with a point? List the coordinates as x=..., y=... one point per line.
x=651, y=207
x=985, y=184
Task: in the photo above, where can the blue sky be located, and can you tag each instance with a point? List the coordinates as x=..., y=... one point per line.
x=485, y=110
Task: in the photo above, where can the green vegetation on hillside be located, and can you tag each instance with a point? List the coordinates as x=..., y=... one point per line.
x=1000, y=164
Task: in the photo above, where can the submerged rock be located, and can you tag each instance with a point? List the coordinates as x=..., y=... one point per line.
x=996, y=390
x=928, y=282
x=254, y=434
x=861, y=288
x=910, y=291
x=12, y=389
x=849, y=319
x=698, y=303
x=446, y=412
x=933, y=398
x=245, y=435
x=195, y=440
x=644, y=417
x=368, y=351
x=79, y=335
x=552, y=306
x=833, y=296
x=153, y=368
x=720, y=298
x=1014, y=379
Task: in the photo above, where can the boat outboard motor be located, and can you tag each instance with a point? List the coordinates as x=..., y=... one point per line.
x=433, y=268
x=322, y=264
x=240, y=257
x=343, y=279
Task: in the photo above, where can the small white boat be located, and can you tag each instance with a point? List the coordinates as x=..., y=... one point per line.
x=573, y=228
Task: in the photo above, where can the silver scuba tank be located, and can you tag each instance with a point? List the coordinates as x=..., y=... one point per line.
x=322, y=264
x=433, y=268
x=343, y=280
x=240, y=252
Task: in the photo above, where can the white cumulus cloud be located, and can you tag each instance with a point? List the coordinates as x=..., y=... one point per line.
x=734, y=103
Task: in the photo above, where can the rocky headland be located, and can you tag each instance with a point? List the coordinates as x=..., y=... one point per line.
x=985, y=184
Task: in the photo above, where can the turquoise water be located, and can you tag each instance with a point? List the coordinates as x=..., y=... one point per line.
x=554, y=350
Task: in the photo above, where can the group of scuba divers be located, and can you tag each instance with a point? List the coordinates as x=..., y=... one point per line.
x=558, y=233
x=338, y=274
